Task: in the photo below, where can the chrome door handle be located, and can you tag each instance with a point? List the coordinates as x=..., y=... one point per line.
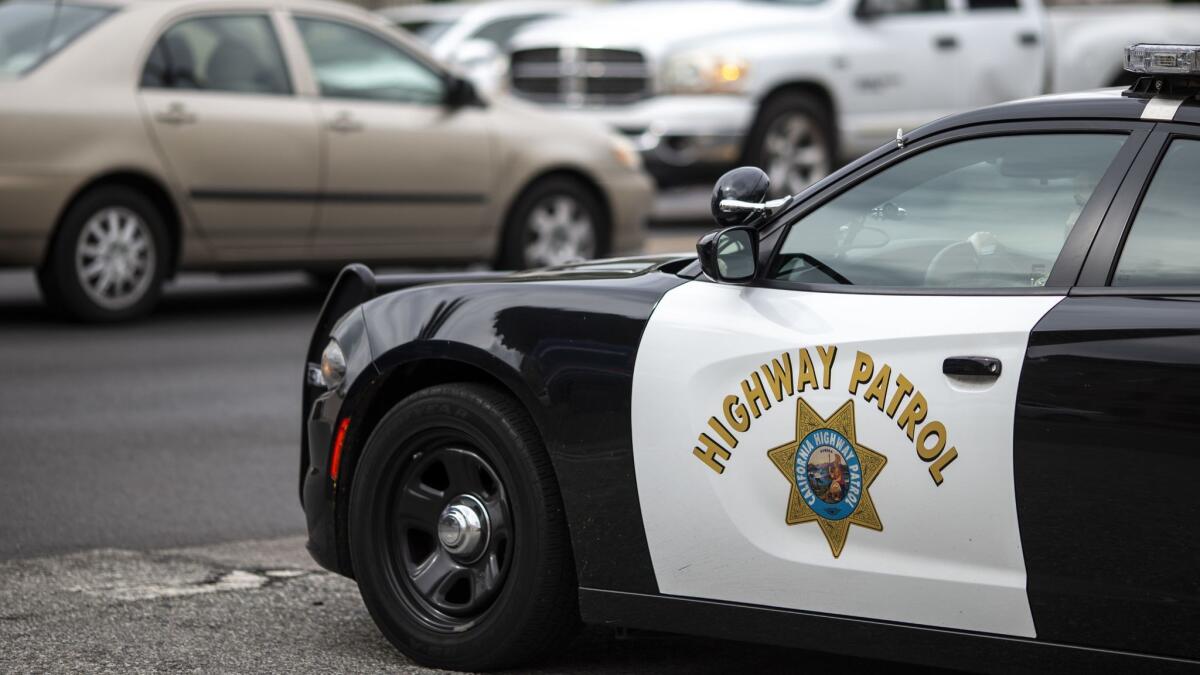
x=176, y=113
x=972, y=366
x=345, y=123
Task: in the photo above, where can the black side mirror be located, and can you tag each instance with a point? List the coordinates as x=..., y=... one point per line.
x=747, y=185
x=460, y=92
x=730, y=255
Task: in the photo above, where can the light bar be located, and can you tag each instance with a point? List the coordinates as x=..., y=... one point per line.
x=1163, y=59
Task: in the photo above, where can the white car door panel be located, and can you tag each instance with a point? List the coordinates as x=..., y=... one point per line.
x=942, y=547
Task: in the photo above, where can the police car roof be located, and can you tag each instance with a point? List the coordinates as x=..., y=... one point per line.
x=1098, y=104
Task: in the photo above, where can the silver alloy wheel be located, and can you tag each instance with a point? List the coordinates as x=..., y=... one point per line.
x=115, y=258
x=795, y=152
x=559, y=231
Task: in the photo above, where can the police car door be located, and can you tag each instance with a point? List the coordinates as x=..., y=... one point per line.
x=836, y=436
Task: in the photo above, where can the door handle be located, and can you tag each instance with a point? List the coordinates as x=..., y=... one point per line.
x=945, y=42
x=176, y=113
x=971, y=366
x=345, y=123
x=1028, y=39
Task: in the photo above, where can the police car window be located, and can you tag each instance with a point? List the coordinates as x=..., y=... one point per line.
x=238, y=53
x=353, y=63
x=1162, y=247
x=982, y=213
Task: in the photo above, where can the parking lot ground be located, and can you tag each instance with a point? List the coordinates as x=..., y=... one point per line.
x=264, y=606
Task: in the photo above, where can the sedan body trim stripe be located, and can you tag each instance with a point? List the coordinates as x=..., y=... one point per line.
x=224, y=194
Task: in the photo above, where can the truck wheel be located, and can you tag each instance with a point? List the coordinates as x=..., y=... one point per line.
x=793, y=141
x=457, y=534
x=107, y=259
x=556, y=221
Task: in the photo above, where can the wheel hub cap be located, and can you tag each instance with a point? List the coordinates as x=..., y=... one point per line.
x=463, y=527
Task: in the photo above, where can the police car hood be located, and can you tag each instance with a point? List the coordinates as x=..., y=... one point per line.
x=657, y=27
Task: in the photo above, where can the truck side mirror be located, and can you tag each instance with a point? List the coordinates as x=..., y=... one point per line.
x=729, y=255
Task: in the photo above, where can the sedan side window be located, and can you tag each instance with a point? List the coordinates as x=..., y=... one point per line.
x=1162, y=247
x=982, y=213
x=353, y=63
x=237, y=53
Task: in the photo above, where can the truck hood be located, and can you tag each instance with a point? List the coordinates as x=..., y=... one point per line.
x=656, y=27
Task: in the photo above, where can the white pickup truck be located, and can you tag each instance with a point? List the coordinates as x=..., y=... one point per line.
x=796, y=86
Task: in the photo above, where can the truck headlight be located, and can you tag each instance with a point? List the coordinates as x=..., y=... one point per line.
x=701, y=73
x=626, y=153
x=333, y=365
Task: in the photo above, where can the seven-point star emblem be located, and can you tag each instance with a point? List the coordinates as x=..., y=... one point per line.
x=830, y=473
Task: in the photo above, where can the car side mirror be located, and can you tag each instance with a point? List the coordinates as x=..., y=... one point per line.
x=460, y=92
x=730, y=255
x=739, y=198
x=475, y=52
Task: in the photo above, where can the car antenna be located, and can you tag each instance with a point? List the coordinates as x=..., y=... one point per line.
x=900, y=137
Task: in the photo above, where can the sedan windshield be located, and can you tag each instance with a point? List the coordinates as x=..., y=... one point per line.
x=32, y=31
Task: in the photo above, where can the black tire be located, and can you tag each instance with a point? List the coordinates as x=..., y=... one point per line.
x=535, y=608
x=520, y=233
x=60, y=282
x=777, y=110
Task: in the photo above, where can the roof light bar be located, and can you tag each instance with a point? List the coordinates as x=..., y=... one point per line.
x=1150, y=59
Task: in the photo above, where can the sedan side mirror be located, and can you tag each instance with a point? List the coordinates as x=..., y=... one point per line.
x=730, y=255
x=460, y=92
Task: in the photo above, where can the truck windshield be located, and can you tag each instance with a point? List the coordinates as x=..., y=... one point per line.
x=31, y=31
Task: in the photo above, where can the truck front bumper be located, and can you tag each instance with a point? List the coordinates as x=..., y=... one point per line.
x=683, y=139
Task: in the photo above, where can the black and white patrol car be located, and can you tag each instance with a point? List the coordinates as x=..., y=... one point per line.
x=941, y=407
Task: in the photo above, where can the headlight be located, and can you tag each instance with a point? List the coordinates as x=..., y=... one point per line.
x=626, y=153
x=333, y=365
x=699, y=73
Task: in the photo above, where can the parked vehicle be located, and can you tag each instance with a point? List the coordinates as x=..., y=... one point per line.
x=798, y=86
x=141, y=138
x=474, y=36
x=881, y=418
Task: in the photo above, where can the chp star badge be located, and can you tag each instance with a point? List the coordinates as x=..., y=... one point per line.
x=830, y=473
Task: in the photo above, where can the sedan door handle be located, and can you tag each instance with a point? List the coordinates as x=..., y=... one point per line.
x=176, y=113
x=345, y=123
x=945, y=42
x=971, y=366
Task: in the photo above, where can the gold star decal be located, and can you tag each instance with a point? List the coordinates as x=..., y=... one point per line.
x=832, y=486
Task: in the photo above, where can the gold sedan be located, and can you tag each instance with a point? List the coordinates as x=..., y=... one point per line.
x=139, y=138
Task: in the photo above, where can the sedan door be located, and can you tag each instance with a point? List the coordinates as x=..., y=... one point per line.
x=218, y=95
x=837, y=436
x=1107, y=431
x=406, y=175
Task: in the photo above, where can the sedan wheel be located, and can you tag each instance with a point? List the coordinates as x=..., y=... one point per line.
x=457, y=535
x=107, y=259
x=115, y=258
x=559, y=231
x=556, y=221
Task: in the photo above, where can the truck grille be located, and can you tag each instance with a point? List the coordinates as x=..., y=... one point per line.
x=580, y=76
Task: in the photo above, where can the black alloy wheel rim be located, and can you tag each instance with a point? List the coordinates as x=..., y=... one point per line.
x=449, y=583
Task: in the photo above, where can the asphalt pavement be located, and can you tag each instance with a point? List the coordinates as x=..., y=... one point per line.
x=151, y=520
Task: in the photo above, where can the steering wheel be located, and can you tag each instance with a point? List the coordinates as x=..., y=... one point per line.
x=962, y=264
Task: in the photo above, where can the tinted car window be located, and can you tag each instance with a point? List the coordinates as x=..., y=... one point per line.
x=1163, y=245
x=237, y=53
x=353, y=63
x=889, y=7
x=982, y=213
x=991, y=4
x=31, y=32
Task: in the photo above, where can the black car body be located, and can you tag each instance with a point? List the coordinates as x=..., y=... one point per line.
x=1104, y=427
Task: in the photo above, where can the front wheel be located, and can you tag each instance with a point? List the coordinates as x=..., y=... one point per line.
x=457, y=533
x=558, y=220
x=106, y=262
x=793, y=141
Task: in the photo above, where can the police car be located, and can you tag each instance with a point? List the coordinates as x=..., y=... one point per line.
x=942, y=407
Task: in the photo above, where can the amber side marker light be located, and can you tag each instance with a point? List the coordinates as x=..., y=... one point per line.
x=335, y=460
